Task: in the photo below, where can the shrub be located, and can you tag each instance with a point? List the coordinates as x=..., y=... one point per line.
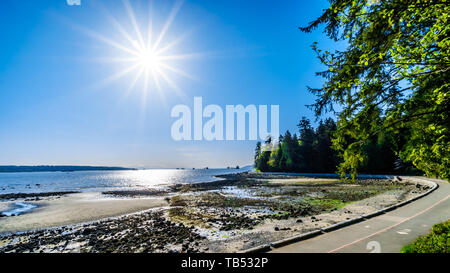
x=438, y=241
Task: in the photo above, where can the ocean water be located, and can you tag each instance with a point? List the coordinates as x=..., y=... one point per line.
x=94, y=181
x=19, y=208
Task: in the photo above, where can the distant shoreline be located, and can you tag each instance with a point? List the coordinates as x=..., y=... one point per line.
x=22, y=169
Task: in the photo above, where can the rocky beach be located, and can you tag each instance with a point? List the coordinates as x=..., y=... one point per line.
x=236, y=213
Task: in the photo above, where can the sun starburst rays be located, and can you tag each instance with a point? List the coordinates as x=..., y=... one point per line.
x=144, y=57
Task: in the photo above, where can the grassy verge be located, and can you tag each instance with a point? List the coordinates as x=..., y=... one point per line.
x=438, y=241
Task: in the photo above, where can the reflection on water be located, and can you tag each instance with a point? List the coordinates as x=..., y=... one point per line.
x=104, y=180
x=237, y=192
x=19, y=208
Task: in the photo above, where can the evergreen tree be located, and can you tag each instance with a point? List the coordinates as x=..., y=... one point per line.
x=286, y=162
x=393, y=77
x=257, y=152
x=264, y=156
x=274, y=159
x=296, y=156
x=325, y=157
x=307, y=137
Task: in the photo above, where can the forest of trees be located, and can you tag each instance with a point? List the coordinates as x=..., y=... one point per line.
x=312, y=151
x=391, y=85
x=392, y=78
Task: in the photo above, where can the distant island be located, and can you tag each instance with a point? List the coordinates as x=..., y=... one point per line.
x=15, y=169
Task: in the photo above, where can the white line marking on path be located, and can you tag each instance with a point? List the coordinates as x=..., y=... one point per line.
x=389, y=227
x=404, y=231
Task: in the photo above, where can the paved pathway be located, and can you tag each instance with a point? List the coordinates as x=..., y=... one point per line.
x=386, y=233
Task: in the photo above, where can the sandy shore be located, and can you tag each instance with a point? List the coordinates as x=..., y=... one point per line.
x=238, y=213
x=72, y=209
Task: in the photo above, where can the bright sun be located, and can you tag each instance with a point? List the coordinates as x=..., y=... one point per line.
x=144, y=55
x=149, y=60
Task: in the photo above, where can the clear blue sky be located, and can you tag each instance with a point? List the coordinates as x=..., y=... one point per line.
x=56, y=106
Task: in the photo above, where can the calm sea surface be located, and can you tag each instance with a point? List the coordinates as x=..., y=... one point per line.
x=104, y=180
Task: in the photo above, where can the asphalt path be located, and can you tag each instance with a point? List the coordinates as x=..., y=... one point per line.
x=386, y=233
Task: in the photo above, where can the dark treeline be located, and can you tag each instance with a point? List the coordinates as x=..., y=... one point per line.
x=311, y=150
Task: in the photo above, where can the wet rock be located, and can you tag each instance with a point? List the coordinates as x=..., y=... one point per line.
x=29, y=195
